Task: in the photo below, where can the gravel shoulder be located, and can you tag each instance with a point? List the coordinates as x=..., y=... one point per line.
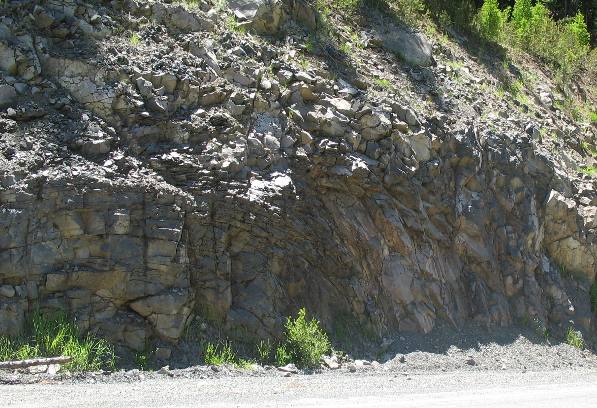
x=488, y=389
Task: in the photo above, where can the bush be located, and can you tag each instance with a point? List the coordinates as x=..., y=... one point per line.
x=564, y=44
x=56, y=335
x=306, y=342
x=521, y=16
x=491, y=20
x=578, y=27
x=457, y=13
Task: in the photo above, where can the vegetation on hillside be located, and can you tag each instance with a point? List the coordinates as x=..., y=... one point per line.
x=519, y=25
x=563, y=44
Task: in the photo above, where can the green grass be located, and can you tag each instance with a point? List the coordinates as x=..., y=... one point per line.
x=55, y=335
x=593, y=117
x=574, y=338
x=222, y=354
x=264, y=351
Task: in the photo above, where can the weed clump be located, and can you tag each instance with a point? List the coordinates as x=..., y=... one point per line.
x=574, y=338
x=222, y=354
x=304, y=343
x=216, y=354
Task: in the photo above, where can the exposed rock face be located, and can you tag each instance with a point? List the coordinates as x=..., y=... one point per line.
x=181, y=177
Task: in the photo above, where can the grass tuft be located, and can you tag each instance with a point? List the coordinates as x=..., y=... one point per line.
x=55, y=335
x=219, y=354
x=135, y=39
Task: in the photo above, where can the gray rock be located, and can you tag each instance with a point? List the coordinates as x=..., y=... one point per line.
x=8, y=62
x=7, y=291
x=265, y=16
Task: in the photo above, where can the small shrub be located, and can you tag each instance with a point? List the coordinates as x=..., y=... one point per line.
x=6, y=348
x=306, y=342
x=457, y=13
x=346, y=48
x=574, y=338
x=311, y=44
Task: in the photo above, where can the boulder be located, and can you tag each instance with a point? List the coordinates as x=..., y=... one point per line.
x=413, y=47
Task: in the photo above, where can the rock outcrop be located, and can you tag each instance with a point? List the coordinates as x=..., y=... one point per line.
x=199, y=172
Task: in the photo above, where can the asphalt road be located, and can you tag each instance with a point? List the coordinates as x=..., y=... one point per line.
x=557, y=389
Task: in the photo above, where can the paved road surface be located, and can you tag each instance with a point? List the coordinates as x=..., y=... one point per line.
x=558, y=389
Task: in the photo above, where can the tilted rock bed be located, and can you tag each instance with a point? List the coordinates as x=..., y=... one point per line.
x=201, y=173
